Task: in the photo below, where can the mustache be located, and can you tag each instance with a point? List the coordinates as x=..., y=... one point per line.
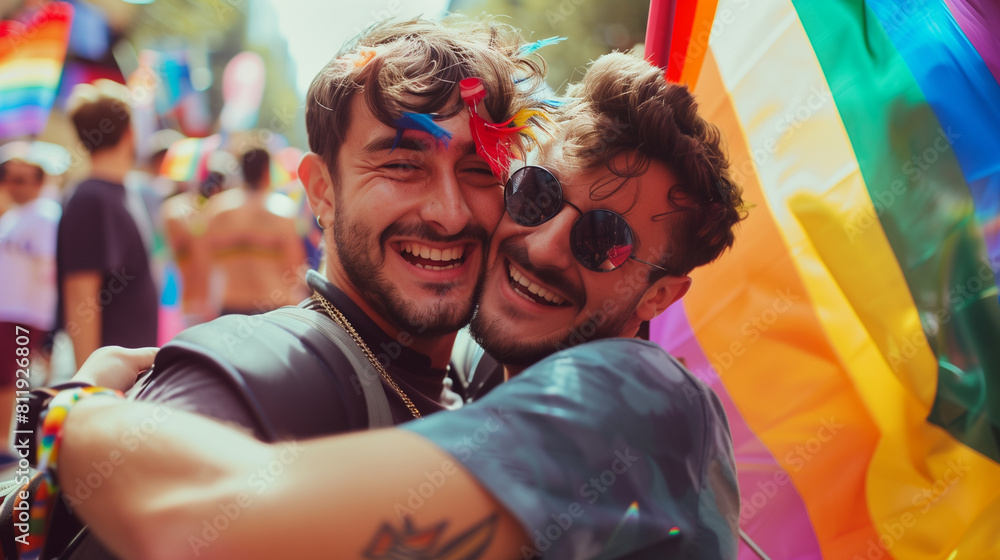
x=472, y=232
x=517, y=253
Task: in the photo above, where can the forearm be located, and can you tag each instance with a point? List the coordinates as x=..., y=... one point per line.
x=86, y=340
x=375, y=492
x=83, y=317
x=195, y=488
x=140, y=473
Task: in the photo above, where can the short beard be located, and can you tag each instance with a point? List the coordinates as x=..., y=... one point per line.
x=499, y=337
x=353, y=241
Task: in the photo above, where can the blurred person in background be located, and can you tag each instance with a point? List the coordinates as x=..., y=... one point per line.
x=147, y=189
x=159, y=143
x=255, y=253
x=6, y=202
x=185, y=219
x=106, y=288
x=28, y=265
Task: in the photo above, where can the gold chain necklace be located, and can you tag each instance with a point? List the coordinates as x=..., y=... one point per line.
x=339, y=318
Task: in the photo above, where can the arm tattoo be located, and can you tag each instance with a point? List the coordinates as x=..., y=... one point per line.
x=410, y=543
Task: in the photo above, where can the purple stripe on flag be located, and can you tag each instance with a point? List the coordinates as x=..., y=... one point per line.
x=772, y=511
x=980, y=21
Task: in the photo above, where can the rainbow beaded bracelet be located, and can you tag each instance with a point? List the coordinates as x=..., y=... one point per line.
x=52, y=421
x=55, y=417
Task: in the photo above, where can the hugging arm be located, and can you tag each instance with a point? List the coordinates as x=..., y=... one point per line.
x=608, y=450
x=181, y=486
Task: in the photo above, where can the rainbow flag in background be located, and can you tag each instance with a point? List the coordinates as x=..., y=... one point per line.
x=31, y=62
x=853, y=333
x=187, y=159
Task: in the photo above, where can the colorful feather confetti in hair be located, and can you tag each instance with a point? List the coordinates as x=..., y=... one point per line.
x=532, y=47
x=493, y=141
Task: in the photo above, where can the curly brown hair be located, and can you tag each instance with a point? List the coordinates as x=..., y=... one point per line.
x=415, y=66
x=625, y=106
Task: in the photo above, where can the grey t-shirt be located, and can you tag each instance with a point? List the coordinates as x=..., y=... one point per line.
x=607, y=450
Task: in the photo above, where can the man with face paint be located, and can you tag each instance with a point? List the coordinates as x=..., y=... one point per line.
x=407, y=203
x=608, y=449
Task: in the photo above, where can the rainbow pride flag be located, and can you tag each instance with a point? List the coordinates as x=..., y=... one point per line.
x=853, y=333
x=31, y=62
x=187, y=159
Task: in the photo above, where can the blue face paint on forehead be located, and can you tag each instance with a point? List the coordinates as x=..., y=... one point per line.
x=423, y=123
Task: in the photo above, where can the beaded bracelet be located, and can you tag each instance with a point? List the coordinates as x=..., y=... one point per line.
x=52, y=420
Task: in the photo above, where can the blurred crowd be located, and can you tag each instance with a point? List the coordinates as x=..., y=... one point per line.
x=140, y=248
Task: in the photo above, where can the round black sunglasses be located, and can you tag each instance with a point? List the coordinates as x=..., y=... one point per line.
x=601, y=240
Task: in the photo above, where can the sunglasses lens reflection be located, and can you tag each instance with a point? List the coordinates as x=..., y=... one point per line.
x=601, y=240
x=532, y=196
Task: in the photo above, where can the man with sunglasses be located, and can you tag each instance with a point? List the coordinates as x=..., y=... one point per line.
x=609, y=449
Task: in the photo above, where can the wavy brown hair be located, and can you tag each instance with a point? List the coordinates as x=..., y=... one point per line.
x=624, y=106
x=415, y=66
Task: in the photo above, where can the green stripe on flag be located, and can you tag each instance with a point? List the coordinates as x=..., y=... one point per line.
x=925, y=208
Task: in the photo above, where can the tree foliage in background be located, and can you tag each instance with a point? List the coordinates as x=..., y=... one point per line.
x=208, y=22
x=219, y=27
x=592, y=28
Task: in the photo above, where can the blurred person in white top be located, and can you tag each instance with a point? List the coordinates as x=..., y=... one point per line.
x=28, y=270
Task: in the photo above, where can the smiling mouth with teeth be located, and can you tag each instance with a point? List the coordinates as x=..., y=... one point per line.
x=532, y=291
x=430, y=258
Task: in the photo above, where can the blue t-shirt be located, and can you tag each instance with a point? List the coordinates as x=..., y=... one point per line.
x=610, y=449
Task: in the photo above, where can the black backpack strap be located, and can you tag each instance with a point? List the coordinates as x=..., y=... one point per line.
x=289, y=375
x=294, y=382
x=379, y=414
